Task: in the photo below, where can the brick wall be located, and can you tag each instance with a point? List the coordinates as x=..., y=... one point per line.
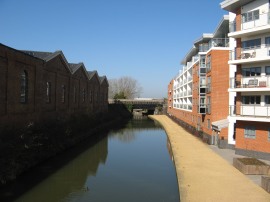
x=219, y=74
x=261, y=143
x=62, y=82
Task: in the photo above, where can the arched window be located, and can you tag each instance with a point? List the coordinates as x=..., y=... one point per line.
x=24, y=87
x=74, y=94
x=83, y=95
x=63, y=94
x=91, y=96
x=48, y=92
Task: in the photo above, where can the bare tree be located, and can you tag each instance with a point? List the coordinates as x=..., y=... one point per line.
x=124, y=87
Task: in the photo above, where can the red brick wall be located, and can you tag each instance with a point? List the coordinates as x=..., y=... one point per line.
x=238, y=19
x=55, y=71
x=170, y=97
x=260, y=143
x=219, y=95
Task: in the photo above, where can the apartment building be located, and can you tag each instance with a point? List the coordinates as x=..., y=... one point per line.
x=37, y=86
x=198, y=96
x=249, y=69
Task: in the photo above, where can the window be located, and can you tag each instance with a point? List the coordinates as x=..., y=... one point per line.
x=208, y=106
x=48, y=92
x=74, y=94
x=91, y=96
x=208, y=84
x=267, y=99
x=24, y=87
x=252, y=71
x=83, y=95
x=254, y=43
x=63, y=97
x=208, y=63
x=250, y=16
x=267, y=70
x=269, y=134
x=251, y=99
x=208, y=124
x=97, y=98
x=250, y=132
x=267, y=41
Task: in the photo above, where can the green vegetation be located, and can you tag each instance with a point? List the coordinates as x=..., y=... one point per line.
x=120, y=95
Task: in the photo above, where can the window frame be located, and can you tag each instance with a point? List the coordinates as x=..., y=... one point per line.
x=63, y=93
x=24, y=87
x=252, y=44
x=250, y=132
x=267, y=99
x=48, y=91
x=251, y=71
x=251, y=99
x=267, y=68
x=83, y=95
x=251, y=16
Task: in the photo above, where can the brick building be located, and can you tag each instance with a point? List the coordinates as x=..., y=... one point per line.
x=36, y=86
x=249, y=90
x=198, y=95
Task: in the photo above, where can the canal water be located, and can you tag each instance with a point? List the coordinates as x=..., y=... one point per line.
x=131, y=164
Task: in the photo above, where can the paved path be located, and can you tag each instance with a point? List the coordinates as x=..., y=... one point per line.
x=202, y=174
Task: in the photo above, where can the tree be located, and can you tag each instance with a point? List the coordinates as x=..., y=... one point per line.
x=124, y=88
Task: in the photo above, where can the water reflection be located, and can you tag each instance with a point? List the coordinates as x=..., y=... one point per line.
x=132, y=164
x=70, y=178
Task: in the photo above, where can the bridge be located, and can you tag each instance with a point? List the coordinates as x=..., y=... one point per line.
x=140, y=105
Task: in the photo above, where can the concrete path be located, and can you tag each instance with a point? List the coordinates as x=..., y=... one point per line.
x=202, y=174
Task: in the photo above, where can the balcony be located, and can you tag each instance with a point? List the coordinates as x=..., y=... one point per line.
x=219, y=42
x=250, y=83
x=250, y=111
x=215, y=42
x=254, y=26
x=254, y=54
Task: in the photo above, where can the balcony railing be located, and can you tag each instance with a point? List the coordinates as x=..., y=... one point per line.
x=249, y=110
x=250, y=82
x=215, y=42
x=250, y=53
x=219, y=42
x=262, y=21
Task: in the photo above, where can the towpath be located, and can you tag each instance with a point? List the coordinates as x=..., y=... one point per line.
x=202, y=174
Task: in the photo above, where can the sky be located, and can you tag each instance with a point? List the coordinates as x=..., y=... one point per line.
x=142, y=39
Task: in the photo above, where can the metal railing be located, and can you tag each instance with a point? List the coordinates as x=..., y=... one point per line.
x=250, y=82
x=250, y=53
x=249, y=110
x=215, y=42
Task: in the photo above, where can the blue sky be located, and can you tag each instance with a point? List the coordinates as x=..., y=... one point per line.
x=143, y=39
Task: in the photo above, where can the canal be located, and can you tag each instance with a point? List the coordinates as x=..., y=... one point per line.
x=130, y=164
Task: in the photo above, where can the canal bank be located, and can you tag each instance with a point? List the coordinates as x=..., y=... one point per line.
x=23, y=148
x=202, y=174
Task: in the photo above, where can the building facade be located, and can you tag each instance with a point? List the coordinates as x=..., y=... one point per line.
x=249, y=90
x=199, y=93
x=37, y=86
